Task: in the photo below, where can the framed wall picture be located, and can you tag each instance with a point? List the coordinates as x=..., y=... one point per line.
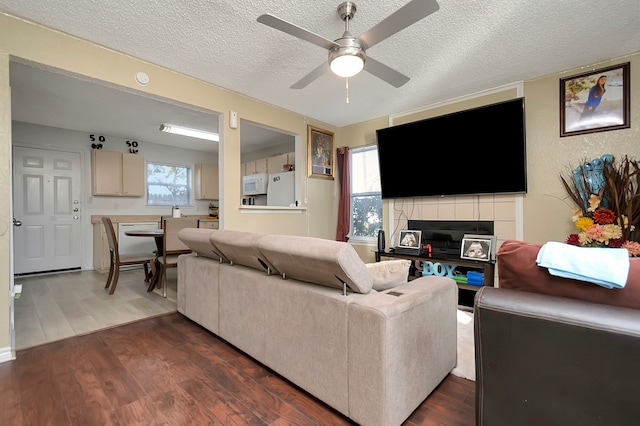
x=320, y=161
x=595, y=101
x=478, y=247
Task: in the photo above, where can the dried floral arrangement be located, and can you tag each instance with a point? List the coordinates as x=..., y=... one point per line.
x=606, y=192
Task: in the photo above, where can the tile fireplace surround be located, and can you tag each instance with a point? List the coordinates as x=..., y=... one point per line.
x=504, y=210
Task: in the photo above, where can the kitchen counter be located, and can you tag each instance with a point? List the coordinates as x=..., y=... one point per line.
x=133, y=218
x=126, y=218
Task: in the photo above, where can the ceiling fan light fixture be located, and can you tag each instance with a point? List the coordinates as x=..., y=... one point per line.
x=346, y=61
x=347, y=66
x=186, y=131
x=347, y=54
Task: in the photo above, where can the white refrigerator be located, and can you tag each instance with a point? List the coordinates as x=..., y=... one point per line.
x=281, y=190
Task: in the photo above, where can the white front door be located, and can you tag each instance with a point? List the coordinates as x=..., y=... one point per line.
x=46, y=201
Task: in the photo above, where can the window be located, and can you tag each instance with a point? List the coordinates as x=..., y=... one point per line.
x=168, y=185
x=366, y=201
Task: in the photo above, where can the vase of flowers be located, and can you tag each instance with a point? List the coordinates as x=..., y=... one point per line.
x=607, y=195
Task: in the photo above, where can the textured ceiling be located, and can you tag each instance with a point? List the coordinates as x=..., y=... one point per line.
x=465, y=47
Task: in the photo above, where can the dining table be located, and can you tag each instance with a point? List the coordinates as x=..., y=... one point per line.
x=158, y=236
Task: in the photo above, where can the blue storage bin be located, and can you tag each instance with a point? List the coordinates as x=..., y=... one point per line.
x=475, y=278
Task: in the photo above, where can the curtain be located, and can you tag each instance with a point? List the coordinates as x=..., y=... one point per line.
x=344, y=203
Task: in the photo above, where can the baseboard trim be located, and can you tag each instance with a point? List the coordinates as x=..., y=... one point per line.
x=6, y=354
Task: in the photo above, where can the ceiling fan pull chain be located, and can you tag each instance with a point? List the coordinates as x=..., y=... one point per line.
x=347, y=87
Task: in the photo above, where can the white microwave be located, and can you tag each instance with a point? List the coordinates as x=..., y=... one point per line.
x=255, y=184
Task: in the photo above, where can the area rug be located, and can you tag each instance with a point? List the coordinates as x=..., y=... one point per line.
x=466, y=366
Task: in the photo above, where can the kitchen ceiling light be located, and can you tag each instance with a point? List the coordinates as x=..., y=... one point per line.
x=194, y=133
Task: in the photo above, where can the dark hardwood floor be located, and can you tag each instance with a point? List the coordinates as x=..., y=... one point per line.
x=168, y=370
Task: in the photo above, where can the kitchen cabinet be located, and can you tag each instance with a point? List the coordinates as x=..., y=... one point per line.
x=253, y=167
x=117, y=174
x=291, y=158
x=208, y=223
x=101, y=259
x=271, y=164
x=248, y=168
x=133, y=175
x=275, y=163
x=206, y=182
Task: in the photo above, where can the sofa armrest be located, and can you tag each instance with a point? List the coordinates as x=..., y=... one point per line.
x=544, y=359
x=517, y=269
x=389, y=273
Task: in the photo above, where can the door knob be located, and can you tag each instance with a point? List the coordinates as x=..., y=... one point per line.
x=16, y=222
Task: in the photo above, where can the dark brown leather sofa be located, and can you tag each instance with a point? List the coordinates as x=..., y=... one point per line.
x=545, y=359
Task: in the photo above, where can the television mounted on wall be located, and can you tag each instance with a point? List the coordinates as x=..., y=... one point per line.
x=471, y=152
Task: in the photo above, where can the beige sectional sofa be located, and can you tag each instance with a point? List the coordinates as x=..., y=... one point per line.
x=305, y=308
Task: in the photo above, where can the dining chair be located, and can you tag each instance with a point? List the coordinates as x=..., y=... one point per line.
x=118, y=260
x=172, y=246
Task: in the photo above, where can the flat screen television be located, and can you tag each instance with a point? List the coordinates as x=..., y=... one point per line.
x=475, y=151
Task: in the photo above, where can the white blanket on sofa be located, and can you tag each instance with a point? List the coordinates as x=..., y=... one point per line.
x=607, y=267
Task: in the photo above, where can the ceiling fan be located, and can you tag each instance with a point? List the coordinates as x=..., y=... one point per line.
x=347, y=54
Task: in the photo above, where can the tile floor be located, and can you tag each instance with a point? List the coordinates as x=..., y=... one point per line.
x=57, y=306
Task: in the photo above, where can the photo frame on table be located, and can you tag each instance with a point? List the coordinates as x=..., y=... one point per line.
x=410, y=239
x=595, y=101
x=478, y=247
x=320, y=155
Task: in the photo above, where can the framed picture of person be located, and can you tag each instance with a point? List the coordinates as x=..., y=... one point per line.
x=595, y=101
x=320, y=160
x=478, y=247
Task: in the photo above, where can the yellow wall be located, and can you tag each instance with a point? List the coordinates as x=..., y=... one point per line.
x=5, y=201
x=547, y=211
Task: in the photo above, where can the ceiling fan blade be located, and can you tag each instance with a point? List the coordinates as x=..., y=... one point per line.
x=385, y=73
x=295, y=30
x=407, y=15
x=313, y=75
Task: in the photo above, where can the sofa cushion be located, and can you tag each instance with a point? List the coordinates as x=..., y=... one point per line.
x=517, y=269
x=197, y=239
x=317, y=260
x=389, y=273
x=241, y=248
